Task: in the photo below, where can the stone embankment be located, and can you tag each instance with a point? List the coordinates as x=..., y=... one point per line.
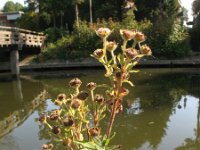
x=92, y=64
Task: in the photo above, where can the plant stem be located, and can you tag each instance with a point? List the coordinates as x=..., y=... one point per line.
x=104, y=50
x=113, y=112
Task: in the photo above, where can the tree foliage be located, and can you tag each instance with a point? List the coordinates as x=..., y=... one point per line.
x=10, y=6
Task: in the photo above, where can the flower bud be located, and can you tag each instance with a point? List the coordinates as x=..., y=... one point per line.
x=50, y=146
x=103, y=32
x=61, y=97
x=146, y=50
x=75, y=103
x=56, y=130
x=75, y=83
x=139, y=37
x=53, y=117
x=94, y=131
x=68, y=121
x=127, y=34
x=98, y=53
x=82, y=95
x=98, y=98
x=131, y=53
x=45, y=147
x=91, y=86
x=111, y=46
x=42, y=118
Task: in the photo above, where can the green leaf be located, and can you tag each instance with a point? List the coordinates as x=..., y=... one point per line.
x=120, y=58
x=134, y=71
x=103, y=85
x=129, y=82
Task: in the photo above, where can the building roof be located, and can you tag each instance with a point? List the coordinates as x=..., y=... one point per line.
x=12, y=13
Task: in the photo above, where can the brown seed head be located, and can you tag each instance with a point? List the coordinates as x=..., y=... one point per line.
x=42, y=118
x=61, y=97
x=103, y=32
x=127, y=34
x=56, y=130
x=99, y=98
x=75, y=103
x=111, y=46
x=82, y=95
x=53, y=116
x=94, y=131
x=131, y=53
x=45, y=147
x=68, y=121
x=91, y=86
x=98, y=53
x=75, y=83
x=146, y=50
x=139, y=37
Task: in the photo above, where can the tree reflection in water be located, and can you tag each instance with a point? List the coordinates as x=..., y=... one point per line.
x=144, y=123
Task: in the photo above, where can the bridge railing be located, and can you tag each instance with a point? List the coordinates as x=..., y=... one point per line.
x=17, y=36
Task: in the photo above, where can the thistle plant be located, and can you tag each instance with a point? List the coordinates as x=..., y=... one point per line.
x=76, y=124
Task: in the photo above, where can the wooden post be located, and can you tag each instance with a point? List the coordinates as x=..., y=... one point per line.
x=14, y=62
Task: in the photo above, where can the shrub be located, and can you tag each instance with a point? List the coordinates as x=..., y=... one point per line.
x=174, y=44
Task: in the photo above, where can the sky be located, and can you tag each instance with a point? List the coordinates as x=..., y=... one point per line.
x=185, y=3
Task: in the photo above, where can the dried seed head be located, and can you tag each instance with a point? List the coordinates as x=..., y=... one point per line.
x=53, y=116
x=139, y=37
x=98, y=53
x=56, y=130
x=103, y=32
x=68, y=121
x=91, y=86
x=75, y=83
x=75, y=103
x=82, y=95
x=131, y=53
x=146, y=50
x=111, y=46
x=99, y=98
x=50, y=146
x=61, y=97
x=45, y=147
x=94, y=131
x=42, y=118
x=127, y=34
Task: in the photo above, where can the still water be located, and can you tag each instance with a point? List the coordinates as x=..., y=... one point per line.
x=162, y=111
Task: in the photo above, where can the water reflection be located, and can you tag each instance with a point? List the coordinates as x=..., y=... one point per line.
x=18, y=100
x=161, y=112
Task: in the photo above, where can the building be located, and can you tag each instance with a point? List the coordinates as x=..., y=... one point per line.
x=9, y=18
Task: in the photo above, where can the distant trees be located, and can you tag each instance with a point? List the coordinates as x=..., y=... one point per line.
x=195, y=32
x=10, y=6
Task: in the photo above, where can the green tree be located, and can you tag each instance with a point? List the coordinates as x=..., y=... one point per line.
x=10, y=6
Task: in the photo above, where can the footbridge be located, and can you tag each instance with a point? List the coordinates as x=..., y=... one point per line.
x=15, y=39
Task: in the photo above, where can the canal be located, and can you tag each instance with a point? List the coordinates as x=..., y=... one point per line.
x=162, y=111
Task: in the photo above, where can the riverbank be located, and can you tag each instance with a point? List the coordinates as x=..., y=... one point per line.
x=91, y=63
